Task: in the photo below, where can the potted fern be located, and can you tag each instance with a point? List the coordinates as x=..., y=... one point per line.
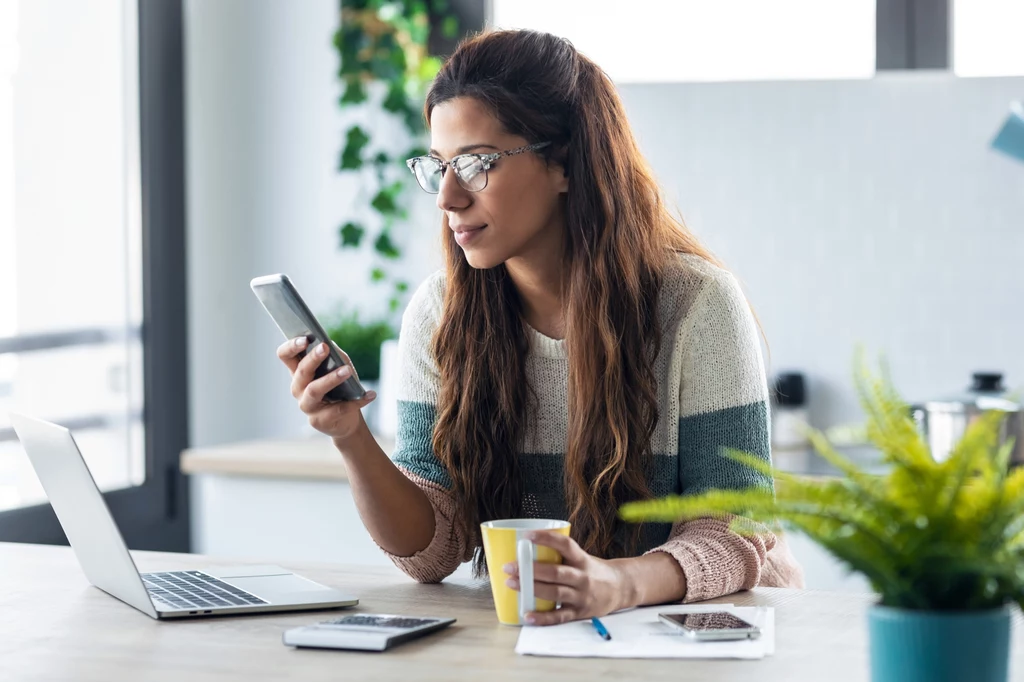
x=941, y=542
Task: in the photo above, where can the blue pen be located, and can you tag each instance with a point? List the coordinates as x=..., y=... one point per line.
x=599, y=626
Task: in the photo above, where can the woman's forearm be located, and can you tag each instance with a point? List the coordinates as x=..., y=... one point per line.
x=654, y=578
x=396, y=513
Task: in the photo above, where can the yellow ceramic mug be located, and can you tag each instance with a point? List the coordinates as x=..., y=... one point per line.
x=504, y=543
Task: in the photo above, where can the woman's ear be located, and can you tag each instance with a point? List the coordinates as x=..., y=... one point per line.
x=560, y=178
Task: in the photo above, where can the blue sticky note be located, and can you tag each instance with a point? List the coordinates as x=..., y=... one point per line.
x=1010, y=139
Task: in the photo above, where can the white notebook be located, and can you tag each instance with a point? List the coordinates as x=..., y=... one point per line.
x=638, y=633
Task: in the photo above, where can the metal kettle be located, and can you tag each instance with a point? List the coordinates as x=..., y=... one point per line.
x=943, y=422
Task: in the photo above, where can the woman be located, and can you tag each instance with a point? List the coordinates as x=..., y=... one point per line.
x=580, y=349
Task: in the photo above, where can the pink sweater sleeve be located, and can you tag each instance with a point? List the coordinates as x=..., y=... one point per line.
x=414, y=455
x=715, y=560
x=718, y=561
x=447, y=549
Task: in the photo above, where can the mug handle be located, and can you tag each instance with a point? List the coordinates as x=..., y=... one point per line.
x=526, y=554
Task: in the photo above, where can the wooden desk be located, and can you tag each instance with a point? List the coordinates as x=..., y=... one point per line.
x=55, y=626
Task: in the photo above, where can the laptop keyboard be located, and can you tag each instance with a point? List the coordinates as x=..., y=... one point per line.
x=196, y=590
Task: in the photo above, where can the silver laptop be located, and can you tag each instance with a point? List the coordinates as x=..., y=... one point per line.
x=104, y=557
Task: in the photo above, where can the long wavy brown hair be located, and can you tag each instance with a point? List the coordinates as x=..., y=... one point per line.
x=619, y=239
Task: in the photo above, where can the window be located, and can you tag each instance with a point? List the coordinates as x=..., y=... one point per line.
x=70, y=236
x=987, y=39
x=708, y=40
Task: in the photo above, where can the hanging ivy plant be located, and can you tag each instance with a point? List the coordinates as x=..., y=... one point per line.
x=383, y=49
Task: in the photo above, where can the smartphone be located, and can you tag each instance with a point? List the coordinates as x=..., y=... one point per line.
x=281, y=299
x=711, y=626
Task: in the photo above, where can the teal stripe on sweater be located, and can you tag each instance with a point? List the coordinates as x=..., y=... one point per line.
x=703, y=464
x=414, y=447
x=700, y=465
x=543, y=474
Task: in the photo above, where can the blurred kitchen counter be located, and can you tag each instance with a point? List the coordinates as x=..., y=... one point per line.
x=313, y=458
x=316, y=458
x=809, y=463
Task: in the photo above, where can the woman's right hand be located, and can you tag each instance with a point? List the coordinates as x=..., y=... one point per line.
x=339, y=420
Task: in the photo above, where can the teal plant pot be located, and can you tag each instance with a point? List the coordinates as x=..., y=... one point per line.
x=939, y=646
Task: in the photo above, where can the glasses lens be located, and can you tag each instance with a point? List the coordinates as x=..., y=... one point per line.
x=428, y=174
x=471, y=172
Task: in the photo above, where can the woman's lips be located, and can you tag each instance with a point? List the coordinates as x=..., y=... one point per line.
x=465, y=235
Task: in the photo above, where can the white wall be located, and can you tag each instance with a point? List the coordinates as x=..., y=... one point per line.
x=868, y=211
x=856, y=211
x=263, y=137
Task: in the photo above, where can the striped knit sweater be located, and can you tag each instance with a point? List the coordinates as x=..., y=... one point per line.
x=712, y=394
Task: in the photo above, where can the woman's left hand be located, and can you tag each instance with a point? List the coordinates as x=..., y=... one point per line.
x=584, y=585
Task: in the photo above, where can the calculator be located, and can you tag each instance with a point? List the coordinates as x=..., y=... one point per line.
x=363, y=631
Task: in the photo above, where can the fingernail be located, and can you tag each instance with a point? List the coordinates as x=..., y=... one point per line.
x=370, y=395
x=531, y=620
x=300, y=342
x=509, y=568
x=344, y=371
x=321, y=349
x=510, y=583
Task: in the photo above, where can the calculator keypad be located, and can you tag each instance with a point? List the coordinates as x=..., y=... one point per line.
x=397, y=622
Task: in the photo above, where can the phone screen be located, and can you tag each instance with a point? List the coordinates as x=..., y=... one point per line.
x=288, y=310
x=703, y=622
x=293, y=317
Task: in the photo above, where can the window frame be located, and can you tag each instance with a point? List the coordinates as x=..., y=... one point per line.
x=909, y=34
x=154, y=515
x=912, y=34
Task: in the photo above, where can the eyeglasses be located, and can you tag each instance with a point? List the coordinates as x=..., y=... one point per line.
x=470, y=169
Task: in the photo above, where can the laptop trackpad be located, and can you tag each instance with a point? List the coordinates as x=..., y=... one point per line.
x=266, y=581
x=276, y=585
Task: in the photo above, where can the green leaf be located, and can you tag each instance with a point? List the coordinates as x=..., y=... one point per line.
x=385, y=201
x=387, y=64
x=355, y=141
x=414, y=122
x=385, y=247
x=386, y=45
x=419, y=27
x=377, y=275
x=354, y=93
x=351, y=235
x=351, y=40
x=401, y=287
x=380, y=164
x=450, y=27
x=395, y=101
x=429, y=68
x=393, y=305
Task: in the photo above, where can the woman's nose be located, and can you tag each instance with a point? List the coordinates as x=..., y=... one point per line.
x=452, y=196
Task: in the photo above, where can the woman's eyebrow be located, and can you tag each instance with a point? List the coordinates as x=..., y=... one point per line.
x=465, y=149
